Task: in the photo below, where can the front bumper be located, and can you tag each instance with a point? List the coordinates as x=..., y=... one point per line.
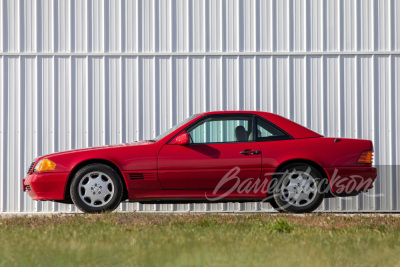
x=46, y=186
x=347, y=180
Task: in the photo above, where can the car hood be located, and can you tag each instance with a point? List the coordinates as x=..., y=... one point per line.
x=139, y=143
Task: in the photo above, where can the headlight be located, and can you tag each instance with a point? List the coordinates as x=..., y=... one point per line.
x=45, y=165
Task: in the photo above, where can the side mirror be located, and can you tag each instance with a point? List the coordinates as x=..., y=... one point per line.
x=182, y=139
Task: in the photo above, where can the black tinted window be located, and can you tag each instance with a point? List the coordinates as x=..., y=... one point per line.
x=267, y=131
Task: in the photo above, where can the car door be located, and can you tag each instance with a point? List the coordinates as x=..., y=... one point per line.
x=221, y=155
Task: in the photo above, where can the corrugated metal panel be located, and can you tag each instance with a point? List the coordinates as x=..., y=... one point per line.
x=88, y=73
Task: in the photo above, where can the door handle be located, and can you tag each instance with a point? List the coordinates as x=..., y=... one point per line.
x=250, y=152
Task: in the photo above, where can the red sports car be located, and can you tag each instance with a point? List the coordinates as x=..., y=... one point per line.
x=210, y=157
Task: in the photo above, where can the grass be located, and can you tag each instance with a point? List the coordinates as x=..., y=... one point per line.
x=200, y=240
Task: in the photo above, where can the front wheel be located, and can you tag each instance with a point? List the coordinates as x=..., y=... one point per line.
x=96, y=188
x=300, y=189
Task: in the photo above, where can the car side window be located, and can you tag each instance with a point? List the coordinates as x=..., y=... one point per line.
x=221, y=130
x=268, y=132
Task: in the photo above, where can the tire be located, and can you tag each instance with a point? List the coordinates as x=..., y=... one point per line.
x=273, y=204
x=300, y=189
x=96, y=188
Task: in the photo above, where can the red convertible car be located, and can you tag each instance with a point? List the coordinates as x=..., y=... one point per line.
x=221, y=156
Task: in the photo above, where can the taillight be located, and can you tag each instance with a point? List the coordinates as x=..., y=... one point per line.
x=366, y=157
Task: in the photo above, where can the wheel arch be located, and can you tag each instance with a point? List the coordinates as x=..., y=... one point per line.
x=312, y=163
x=67, y=196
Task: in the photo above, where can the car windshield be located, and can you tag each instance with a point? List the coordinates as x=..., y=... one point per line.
x=170, y=130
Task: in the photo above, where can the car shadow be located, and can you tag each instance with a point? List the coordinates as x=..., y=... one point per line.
x=205, y=150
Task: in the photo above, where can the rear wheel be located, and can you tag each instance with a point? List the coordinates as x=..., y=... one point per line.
x=300, y=189
x=96, y=188
x=273, y=204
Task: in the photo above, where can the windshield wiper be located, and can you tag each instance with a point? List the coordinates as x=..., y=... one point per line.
x=151, y=140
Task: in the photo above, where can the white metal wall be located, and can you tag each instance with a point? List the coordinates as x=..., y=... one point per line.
x=75, y=74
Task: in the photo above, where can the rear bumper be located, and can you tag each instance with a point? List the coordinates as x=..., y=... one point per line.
x=46, y=186
x=347, y=180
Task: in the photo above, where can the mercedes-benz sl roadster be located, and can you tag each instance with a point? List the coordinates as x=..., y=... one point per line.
x=226, y=156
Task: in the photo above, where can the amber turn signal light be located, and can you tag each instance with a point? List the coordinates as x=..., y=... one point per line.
x=46, y=165
x=366, y=157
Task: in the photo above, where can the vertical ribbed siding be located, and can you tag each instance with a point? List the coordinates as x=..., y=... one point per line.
x=88, y=73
